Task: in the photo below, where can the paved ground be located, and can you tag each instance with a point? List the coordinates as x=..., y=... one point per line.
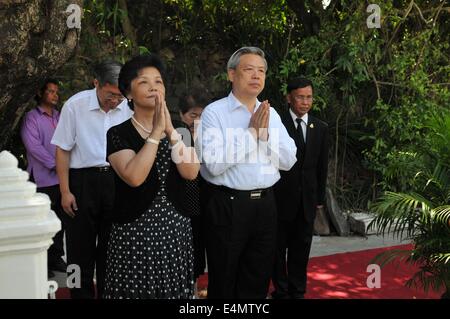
x=322, y=246
x=329, y=245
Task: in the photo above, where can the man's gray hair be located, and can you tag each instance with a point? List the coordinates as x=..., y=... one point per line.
x=107, y=72
x=235, y=58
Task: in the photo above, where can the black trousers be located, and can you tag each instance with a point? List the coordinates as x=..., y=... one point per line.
x=87, y=233
x=199, y=246
x=240, y=235
x=56, y=250
x=289, y=277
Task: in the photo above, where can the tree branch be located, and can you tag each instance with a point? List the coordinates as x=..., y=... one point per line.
x=398, y=27
x=127, y=27
x=420, y=14
x=310, y=20
x=291, y=27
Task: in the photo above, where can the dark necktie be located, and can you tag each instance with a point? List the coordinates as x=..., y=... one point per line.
x=300, y=130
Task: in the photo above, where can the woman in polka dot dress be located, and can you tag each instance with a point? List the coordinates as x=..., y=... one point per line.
x=150, y=252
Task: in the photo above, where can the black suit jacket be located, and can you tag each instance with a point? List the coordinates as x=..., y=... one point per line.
x=304, y=184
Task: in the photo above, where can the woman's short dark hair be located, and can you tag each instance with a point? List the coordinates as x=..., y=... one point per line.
x=194, y=99
x=298, y=83
x=40, y=94
x=131, y=70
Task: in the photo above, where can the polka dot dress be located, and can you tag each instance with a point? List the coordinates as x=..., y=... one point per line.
x=152, y=257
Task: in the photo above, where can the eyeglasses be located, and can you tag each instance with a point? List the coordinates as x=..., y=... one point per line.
x=303, y=98
x=114, y=97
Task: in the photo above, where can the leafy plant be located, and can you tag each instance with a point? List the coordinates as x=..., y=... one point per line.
x=423, y=214
x=374, y=87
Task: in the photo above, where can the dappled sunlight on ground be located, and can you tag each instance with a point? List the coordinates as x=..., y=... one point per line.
x=345, y=276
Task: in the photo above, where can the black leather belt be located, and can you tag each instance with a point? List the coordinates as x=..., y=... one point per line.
x=251, y=194
x=100, y=169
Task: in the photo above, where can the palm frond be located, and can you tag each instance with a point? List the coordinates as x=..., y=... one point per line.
x=433, y=180
x=426, y=280
x=442, y=215
x=424, y=212
x=443, y=258
x=388, y=256
x=399, y=212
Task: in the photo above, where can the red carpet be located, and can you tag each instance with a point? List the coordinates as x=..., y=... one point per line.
x=344, y=276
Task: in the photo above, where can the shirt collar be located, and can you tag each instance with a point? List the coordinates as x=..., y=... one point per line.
x=122, y=104
x=93, y=101
x=42, y=111
x=234, y=103
x=294, y=116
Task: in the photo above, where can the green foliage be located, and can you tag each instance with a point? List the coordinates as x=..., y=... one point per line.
x=376, y=88
x=423, y=214
x=398, y=122
x=220, y=27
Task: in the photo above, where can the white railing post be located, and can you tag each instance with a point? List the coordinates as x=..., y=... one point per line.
x=27, y=226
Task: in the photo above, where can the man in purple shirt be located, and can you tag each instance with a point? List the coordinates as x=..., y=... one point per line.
x=37, y=131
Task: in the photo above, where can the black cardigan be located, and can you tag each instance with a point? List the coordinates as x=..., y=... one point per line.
x=131, y=202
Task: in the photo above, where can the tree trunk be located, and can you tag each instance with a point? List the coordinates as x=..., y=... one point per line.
x=308, y=18
x=128, y=28
x=36, y=41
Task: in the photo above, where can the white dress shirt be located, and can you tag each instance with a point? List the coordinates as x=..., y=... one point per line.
x=230, y=154
x=82, y=128
x=304, y=122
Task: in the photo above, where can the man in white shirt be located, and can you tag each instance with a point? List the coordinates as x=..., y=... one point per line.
x=244, y=145
x=86, y=179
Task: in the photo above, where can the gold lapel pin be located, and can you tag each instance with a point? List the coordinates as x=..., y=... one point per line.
x=311, y=125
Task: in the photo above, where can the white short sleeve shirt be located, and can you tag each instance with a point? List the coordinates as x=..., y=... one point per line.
x=82, y=128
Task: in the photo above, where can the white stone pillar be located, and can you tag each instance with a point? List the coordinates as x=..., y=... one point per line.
x=27, y=226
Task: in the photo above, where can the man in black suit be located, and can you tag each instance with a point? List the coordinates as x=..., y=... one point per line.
x=300, y=191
